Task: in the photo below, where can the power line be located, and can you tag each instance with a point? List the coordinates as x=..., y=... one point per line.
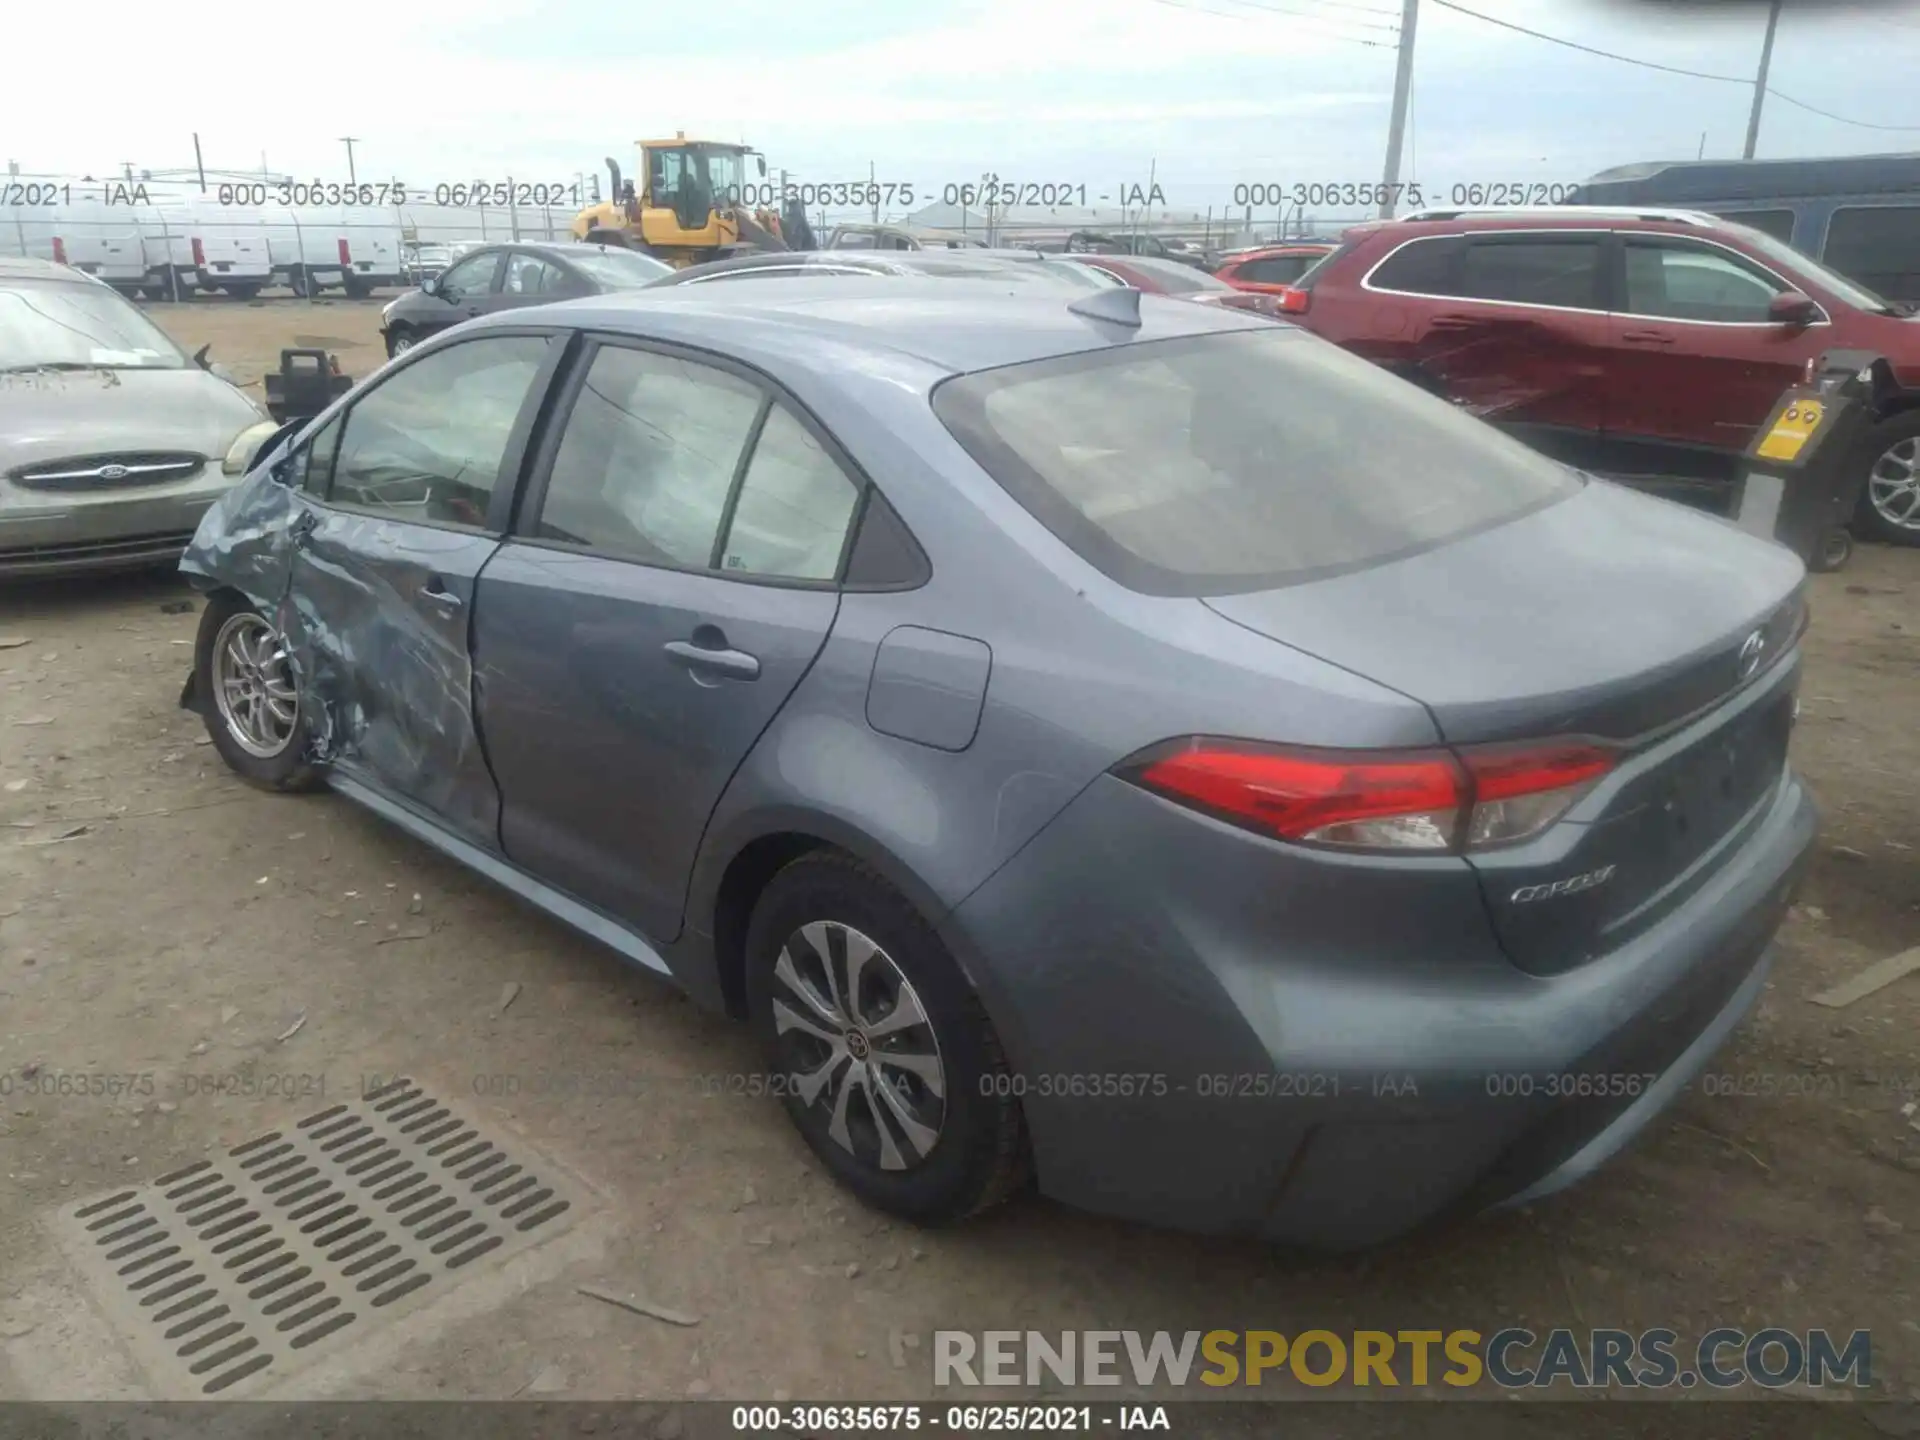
x=1666, y=69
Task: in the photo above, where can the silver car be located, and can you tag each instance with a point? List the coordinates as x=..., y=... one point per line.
x=113, y=441
x=1083, y=732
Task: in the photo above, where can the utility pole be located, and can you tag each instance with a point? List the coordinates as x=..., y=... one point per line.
x=347, y=140
x=1397, y=124
x=1760, y=80
x=197, y=164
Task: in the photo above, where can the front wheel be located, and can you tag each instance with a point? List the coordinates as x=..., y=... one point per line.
x=399, y=341
x=1890, y=499
x=249, y=696
x=879, y=1047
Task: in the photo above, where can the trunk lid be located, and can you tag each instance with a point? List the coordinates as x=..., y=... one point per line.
x=1612, y=615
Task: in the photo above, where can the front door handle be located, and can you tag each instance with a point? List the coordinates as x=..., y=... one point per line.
x=436, y=591
x=701, y=659
x=1646, y=337
x=1453, y=322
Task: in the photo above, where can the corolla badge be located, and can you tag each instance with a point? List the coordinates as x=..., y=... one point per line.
x=1572, y=885
x=1751, y=649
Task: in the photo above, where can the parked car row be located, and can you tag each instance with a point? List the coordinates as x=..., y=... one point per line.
x=961, y=669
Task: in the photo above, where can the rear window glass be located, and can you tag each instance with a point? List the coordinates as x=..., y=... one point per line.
x=1243, y=461
x=1879, y=246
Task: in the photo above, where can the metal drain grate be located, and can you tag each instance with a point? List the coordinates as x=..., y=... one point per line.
x=228, y=1274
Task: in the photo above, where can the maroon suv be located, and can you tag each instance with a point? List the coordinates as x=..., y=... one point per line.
x=1643, y=344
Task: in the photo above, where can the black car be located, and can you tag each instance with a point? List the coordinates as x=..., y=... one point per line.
x=505, y=277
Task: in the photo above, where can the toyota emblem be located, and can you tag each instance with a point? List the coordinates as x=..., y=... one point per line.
x=113, y=472
x=1751, y=649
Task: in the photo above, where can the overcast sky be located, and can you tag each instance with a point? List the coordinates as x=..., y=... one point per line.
x=1211, y=92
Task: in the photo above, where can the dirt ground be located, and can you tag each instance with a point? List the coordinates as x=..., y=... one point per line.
x=158, y=917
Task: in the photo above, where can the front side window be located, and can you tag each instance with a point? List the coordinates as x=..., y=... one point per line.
x=621, y=269
x=314, y=461
x=471, y=278
x=794, y=509
x=648, y=458
x=1170, y=467
x=427, y=443
x=1534, y=271
x=1693, y=282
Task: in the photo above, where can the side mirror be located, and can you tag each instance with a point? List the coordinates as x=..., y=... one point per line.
x=761, y=161
x=1790, y=307
x=430, y=285
x=200, y=356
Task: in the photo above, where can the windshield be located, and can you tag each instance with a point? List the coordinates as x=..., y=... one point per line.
x=61, y=323
x=1169, y=466
x=622, y=269
x=1850, y=292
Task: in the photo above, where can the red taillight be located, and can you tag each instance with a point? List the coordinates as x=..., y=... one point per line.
x=1293, y=301
x=345, y=257
x=59, y=251
x=1428, y=800
x=199, y=255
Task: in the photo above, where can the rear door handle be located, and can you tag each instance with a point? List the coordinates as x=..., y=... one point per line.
x=436, y=591
x=736, y=664
x=1646, y=337
x=1453, y=322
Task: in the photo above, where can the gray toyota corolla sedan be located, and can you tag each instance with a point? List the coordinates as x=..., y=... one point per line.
x=1092, y=736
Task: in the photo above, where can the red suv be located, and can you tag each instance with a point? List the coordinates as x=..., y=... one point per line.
x=1644, y=344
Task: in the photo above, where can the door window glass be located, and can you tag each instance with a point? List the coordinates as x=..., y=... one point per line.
x=648, y=458
x=1879, y=246
x=1690, y=282
x=1777, y=223
x=529, y=275
x=794, y=508
x=470, y=278
x=1533, y=272
x=1420, y=267
x=316, y=460
x=427, y=443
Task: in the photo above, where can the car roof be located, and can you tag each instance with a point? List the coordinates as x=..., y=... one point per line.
x=29, y=267
x=955, y=327
x=1546, y=217
x=1291, y=247
x=942, y=262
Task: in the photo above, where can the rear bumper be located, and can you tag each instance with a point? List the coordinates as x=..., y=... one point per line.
x=98, y=532
x=1204, y=1044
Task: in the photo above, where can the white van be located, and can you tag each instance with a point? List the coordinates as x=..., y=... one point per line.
x=228, y=248
x=105, y=241
x=351, y=248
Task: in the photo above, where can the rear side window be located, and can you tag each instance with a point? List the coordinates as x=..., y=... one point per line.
x=1420, y=267
x=1777, y=223
x=1879, y=246
x=1275, y=269
x=1170, y=467
x=1539, y=270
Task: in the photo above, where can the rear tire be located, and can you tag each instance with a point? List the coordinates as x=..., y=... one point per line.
x=847, y=984
x=1889, y=509
x=242, y=292
x=303, y=284
x=238, y=653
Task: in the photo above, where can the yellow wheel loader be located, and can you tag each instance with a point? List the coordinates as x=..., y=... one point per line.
x=694, y=201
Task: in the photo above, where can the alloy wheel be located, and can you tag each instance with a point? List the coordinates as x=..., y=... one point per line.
x=855, y=1044
x=1893, y=485
x=253, y=686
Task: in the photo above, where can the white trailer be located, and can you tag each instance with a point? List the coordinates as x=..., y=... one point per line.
x=352, y=248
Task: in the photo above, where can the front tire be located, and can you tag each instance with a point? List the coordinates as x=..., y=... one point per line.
x=400, y=340
x=1890, y=498
x=878, y=1046
x=249, y=697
